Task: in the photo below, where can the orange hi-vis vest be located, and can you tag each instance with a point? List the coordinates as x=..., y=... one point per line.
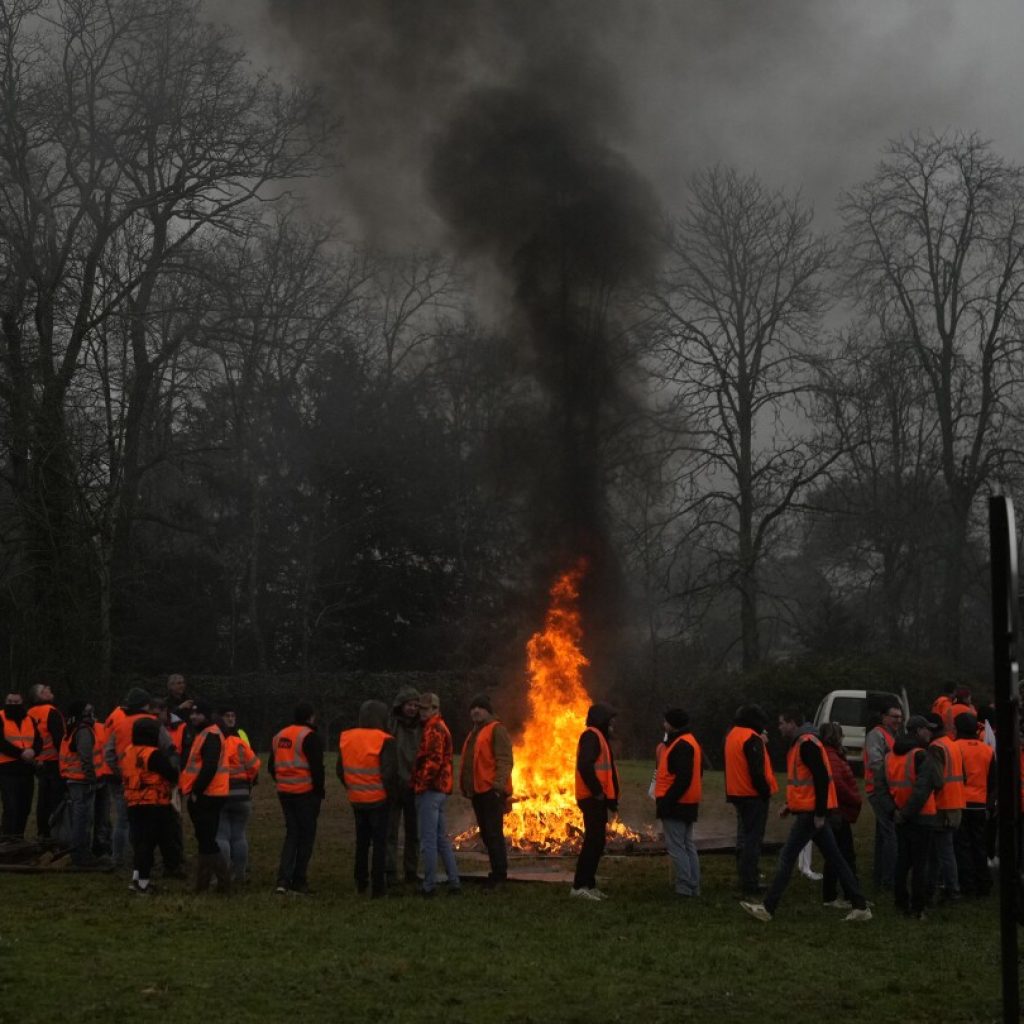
x=602, y=768
x=100, y=736
x=951, y=796
x=484, y=767
x=291, y=767
x=950, y=714
x=40, y=713
x=221, y=781
x=977, y=759
x=941, y=705
x=243, y=765
x=120, y=724
x=142, y=787
x=663, y=778
x=901, y=774
x=177, y=734
x=19, y=734
x=869, y=775
x=800, y=781
x=71, y=761
x=737, y=771
x=360, y=761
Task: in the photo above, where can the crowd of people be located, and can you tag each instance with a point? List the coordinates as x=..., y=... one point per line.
x=123, y=783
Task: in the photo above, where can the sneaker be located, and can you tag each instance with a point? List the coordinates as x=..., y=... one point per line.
x=281, y=889
x=839, y=904
x=859, y=915
x=758, y=910
x=599, y=894
x=148, y=891
x=586, y=894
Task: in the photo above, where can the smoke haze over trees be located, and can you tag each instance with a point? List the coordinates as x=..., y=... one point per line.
x=334, y=366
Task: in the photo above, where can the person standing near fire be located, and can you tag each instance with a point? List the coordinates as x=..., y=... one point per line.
x=677, y=790
x=485, y=778
x=597, y=796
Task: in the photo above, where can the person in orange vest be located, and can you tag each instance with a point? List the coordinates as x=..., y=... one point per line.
x=810, y=796
x=949, y=803
x=597, y=796
x=81, y=767
x=980, y=799
x=244, y=767
x=50, y=723
x=749, y=785
x=944, y=701
x=677, y=792
x=485, y=779
x=962, y=703
x=148, y=777
x=297, y=767
x=205, y=781
x=20, y=744
x=432, y=783
x=368, y=769
x=877, y=745
x=913, y=777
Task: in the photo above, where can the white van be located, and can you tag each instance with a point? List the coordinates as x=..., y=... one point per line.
x=854, y=710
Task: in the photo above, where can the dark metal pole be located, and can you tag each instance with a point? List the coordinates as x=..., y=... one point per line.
x=1005, y=633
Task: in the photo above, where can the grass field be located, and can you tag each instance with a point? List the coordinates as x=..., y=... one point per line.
x=84, y=947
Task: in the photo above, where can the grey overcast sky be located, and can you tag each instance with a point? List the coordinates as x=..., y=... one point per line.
x=804, y=92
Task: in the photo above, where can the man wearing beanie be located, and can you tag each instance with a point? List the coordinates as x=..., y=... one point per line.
x=597, y=796
x=979, y=799
x=485, y=778
x=677, y=790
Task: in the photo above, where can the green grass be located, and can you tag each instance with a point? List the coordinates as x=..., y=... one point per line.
x=83, y=946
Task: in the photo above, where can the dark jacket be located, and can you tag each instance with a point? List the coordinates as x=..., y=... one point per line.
x=408, y=734
x=587, y=753
x=811, y=755
x=680, y=766
x=373, y=714
x=17, y=713
x=749, y=717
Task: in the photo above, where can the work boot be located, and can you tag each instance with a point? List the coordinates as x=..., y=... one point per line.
x=222, y=871
x=205, y=870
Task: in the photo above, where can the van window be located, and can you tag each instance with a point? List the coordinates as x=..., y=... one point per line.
x=850, y=711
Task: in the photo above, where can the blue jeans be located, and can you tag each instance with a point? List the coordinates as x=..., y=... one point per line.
x=232, y=837
x=83, y=801
x=434, y=839
x=683, y=851
x=803, y=832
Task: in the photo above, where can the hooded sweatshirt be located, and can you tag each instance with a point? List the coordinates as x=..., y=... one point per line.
x=588, y=751
x=407, y=733
x=373, y=714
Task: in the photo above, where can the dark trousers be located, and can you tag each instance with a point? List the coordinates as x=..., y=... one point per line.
x=371, y=834
x=913, y=847
x=51, y=792
x=803, y=832
x=301, y=811
x=490, y=817
x=101, y=821
x=751, y=819
x=175, y=855
x=971, y=854
x=830, y=878
x=205, y=814
x=402, y=815
x=82, y=796
x=595, y=825
x=16, y=786
x=152, y=826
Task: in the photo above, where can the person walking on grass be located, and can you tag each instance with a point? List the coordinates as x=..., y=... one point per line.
x=485, y=778
x=597, y=796
x=842, y=820
x=432, y=783
x=810, y=795
x=368, y=769
x=677, y=790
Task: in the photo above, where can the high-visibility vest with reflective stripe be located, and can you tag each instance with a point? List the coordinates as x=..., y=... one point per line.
x=951, y=796
x=40, y=714
x=954, y=709
x=19, y=734
x=869, y=775
x=100, y=736
x=71, y=762
x=663, y=778
x=484, y=766
x=220, y=782
x=120, y=724
x=243, y=765
x=602, y=768
x=737, y=771
x=360, y=761
x=977, y=757
x=901, y=774
x=177, y=734
x=142, y=787
x=800, y=781
x=292, y=773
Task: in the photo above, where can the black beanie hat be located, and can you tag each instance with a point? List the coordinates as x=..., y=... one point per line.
x=481, y=700
x=677, y=718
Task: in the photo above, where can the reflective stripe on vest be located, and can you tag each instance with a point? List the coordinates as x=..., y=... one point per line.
x=220, y=783
x=951, y=796
x=869, y=775
x=800, y=781
x=737, y=771
x=40, y=714
x=291, y=769
x=977, y=757
x=71, y=761
x=663, y=778
x=19, y=734
x=142, y=787
x=901, y=774
x=121, y=726
x=484, y=765
x=360, y=761
x=602, y=768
